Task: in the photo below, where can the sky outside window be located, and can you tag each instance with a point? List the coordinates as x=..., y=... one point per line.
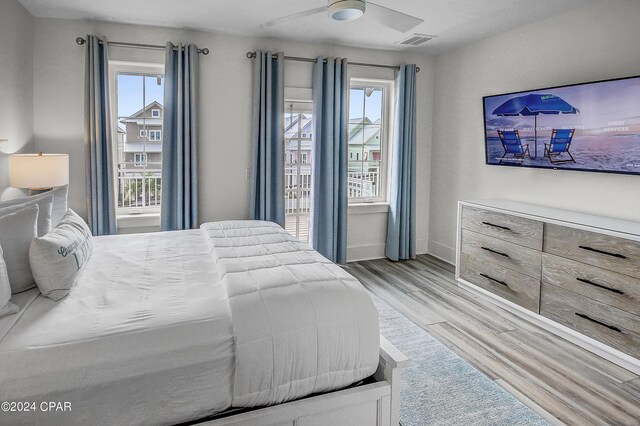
x=130, y=93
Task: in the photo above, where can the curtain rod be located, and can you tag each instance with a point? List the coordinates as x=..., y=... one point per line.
x=252, y=55
x=80, y=41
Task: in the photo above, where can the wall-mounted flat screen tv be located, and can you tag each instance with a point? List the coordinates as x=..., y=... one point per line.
x=591, y=126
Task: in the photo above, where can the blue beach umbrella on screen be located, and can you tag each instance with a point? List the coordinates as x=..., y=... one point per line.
x=535, y=104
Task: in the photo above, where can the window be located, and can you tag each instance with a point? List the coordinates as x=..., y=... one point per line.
x=369, y=115
x=138, y=94
x=155, y=135
x=140, y=159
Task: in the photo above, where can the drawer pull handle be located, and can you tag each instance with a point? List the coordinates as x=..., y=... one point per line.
x=497, y=226
x=494, y=251
x=621, y=256
x=614, y=290
x=494, y=280
x=610, y=327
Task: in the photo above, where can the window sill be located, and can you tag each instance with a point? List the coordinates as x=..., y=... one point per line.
x=368, y=208
x=138, y=220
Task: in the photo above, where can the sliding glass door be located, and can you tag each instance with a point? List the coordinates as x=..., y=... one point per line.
x=298, y=131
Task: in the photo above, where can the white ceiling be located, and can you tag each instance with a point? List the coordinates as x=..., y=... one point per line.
x=455, y=22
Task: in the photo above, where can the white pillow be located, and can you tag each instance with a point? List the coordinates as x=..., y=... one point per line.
x=59, y=202
x=16, y=232
x=58, y=258
x=45, y=205
x=6, y=307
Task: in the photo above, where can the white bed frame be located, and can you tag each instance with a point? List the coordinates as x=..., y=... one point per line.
x=371, y=404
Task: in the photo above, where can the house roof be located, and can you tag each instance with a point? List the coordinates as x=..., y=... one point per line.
x=357, y=130
x=140, y=114
x=291, y=127
x=369, y=132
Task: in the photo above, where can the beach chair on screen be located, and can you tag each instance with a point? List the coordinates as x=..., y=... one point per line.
x=558, y=145
x=513, y=147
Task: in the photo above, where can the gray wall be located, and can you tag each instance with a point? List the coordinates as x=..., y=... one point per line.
x=225, y=112
x=16, y=87
x=593, y=43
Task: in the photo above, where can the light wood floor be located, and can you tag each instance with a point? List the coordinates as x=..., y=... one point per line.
x=559, y=380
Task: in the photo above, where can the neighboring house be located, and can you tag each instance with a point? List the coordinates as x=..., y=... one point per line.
x=143, y=146
x=364, y=145
x=364, y=142
x=291, y=134
x=121, y=140
x=363, y=156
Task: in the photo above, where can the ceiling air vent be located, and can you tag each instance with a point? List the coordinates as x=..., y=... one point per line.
x=416, y=39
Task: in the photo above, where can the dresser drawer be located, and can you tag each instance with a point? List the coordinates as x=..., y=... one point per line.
x=612, y=326
x=515, y=229
x=617, y=290
x=613, y=253
x=520, y=289
x=509, y=255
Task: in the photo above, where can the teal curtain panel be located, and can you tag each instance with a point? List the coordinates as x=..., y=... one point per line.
x=328, y=222
x=267, y=167
x=179, y=205
x=97, y=137
x=401, y=226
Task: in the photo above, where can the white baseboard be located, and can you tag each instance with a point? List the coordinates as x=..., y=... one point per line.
x=365, y=252
x=442, y=259
x=377, y=251
x=442, y=252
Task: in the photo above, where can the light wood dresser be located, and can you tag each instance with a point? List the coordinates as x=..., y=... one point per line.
x=574, y=274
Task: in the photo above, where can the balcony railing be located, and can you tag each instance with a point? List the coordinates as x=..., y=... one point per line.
x=363, y=184
x=139, y=190
x=298, y=187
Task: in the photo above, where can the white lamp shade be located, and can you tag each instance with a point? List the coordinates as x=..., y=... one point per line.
x=38, y=171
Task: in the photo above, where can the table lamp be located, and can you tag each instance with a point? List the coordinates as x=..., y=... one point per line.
x=38, y=172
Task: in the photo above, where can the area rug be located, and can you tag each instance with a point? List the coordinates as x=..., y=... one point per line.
x=440, y=388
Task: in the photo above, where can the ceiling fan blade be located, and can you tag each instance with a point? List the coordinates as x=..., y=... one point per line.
x=294, y=16
x=392, y=18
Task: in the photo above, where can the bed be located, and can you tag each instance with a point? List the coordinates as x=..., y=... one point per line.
x=175, y=327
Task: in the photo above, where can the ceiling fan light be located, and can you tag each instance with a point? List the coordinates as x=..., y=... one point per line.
x=347, y=10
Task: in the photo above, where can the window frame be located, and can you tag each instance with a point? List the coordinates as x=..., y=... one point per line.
x=154, y=131
x=141, y=163
x=151, y=213
x=153, y=110
x=386, y=136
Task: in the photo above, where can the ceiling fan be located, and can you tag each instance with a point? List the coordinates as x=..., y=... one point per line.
x=349, y=10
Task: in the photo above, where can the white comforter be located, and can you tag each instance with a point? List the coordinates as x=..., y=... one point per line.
x=145, y=337
x=302, y=324
x=167, y=327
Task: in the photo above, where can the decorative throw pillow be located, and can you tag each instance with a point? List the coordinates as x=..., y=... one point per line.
x=58, y=258
x=16, y=232
x=45, y=205
x=6, y=307
x=59, y=202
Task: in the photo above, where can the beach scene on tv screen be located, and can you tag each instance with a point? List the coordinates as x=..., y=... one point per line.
x=593, y=126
